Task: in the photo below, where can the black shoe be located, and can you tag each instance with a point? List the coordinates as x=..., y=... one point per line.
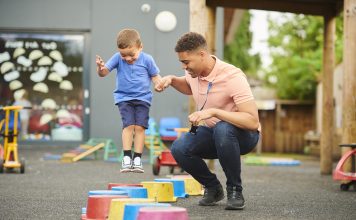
x=235, y=199
x=212, y=195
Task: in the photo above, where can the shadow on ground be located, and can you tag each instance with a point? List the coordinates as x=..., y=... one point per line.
x=53, y=190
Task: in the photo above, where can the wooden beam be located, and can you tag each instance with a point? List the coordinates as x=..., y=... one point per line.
x=310, y=7
x=327, y=132
x=349, y=80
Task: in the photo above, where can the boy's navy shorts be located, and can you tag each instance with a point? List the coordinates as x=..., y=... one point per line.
x=134, y=112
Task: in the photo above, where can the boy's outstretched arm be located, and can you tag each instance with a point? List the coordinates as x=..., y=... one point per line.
x=100, y=67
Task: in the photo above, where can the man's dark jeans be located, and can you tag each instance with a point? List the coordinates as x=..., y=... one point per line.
x=224, y=142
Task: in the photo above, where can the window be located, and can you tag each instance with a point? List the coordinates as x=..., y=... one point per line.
x=44, y=71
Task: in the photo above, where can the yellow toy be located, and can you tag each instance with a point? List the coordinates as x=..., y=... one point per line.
x=9, y=158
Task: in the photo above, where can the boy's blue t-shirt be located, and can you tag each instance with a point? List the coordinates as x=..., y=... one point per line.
x=133, y=81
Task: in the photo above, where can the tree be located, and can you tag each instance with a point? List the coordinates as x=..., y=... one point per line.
x=296, y=45
x=237, y=52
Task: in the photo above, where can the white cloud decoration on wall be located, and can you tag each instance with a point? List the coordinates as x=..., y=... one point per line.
x=11, y=76
x=18, y=52
x=55, y=54
x=49, y=104
x=15, y=85
x=45, y=61
x=55, y=77
x=35, y=54
x=66, y=85
x=40, y=87
x=24, y=61
x=4, y=56
x=39, y=75
x=60, y=68
x=19, y=94
x=6, y=66
x=62, y=113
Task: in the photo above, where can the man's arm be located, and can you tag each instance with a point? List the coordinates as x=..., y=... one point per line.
x=179, y=83
x=246, y=117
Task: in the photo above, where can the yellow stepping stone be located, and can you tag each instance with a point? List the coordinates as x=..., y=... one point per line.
x=160, y=191
x=117, y=206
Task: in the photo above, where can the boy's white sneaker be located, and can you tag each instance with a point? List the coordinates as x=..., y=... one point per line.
x=126, y=165
x=137, y=165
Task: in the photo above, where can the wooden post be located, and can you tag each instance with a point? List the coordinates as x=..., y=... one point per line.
x=349, y=80
x=202, y=21
x=234, y=25
x=327, y=132
x=278, y=133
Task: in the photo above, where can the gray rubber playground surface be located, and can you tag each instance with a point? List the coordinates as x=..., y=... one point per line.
x=53, y=190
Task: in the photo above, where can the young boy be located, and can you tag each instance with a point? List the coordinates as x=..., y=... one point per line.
x=135, y=70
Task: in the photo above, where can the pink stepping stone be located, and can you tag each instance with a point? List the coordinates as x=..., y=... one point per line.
x=162, y=213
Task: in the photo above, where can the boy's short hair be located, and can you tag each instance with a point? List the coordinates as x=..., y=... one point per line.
x=190, y=42
x=128, y=38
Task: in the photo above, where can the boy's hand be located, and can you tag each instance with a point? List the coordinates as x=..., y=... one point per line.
x=157, y=82
x=100, y=63
x=157, y=86
x=100, y=67
x=164, y=83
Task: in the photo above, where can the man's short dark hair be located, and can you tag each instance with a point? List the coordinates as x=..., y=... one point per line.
x=190, y=42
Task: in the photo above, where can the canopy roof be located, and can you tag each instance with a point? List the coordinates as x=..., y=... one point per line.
x=310, y=7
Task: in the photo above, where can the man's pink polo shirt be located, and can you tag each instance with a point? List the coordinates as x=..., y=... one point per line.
x=229, y=88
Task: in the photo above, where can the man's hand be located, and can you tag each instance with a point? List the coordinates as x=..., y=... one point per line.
x=198, y=116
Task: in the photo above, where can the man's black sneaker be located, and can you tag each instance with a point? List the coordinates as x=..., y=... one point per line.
x=235, y=199
x=212, y=195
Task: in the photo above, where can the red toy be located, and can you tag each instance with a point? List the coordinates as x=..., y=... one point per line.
x=165, y=159
x=339, y=174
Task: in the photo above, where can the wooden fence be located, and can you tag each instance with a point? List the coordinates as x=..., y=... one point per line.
x=283, y=128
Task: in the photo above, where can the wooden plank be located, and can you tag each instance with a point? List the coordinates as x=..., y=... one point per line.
x=349, y=80
x=68, y=157
x=327, y=131
x=88, y=152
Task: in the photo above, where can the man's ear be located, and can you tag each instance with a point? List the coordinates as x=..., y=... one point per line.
x=203, y=54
